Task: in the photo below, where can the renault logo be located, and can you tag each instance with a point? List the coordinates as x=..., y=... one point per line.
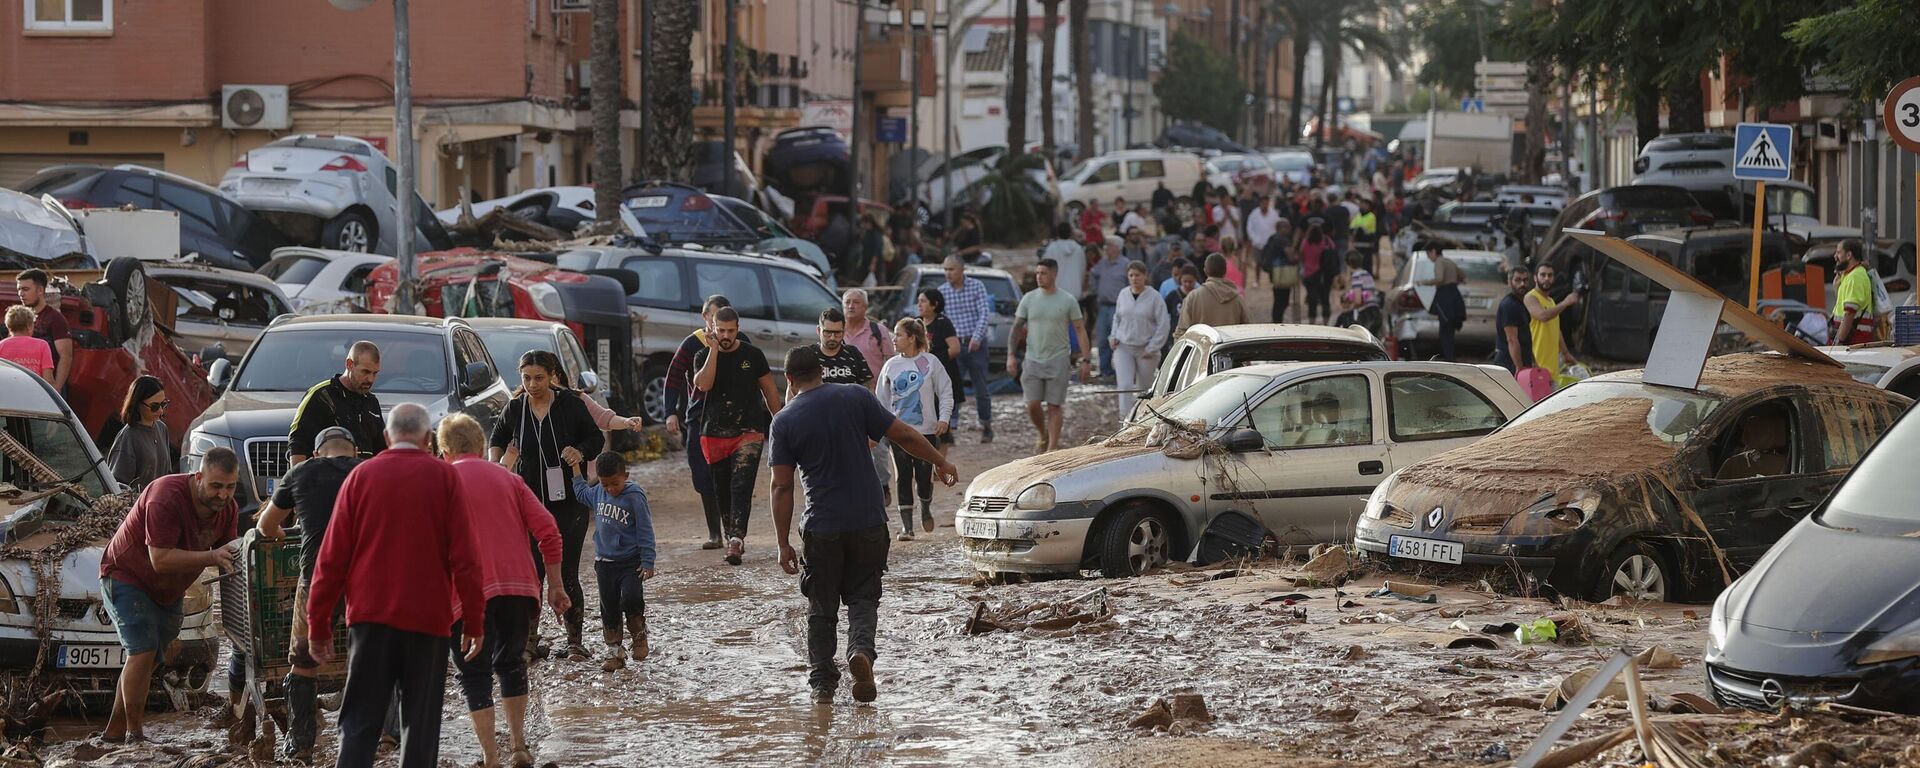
x=1434, y=517
x=1773, y=693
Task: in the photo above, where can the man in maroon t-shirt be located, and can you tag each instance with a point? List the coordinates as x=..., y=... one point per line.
x=180, y=526
x=48, y=324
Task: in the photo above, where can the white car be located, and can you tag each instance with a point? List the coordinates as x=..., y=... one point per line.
x=563, y=208
x=1896, y=369
x=1295, y=165
x=1292, y=451
x=1231, y=172
x=330, y=191
x=318, y=276
x=1133, y=174
x=219, y=307
x=1434, y=177
x=36, y=503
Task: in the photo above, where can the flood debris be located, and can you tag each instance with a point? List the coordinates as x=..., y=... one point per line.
x=1327, y=564
x=1093, y=606
x=1176, y=714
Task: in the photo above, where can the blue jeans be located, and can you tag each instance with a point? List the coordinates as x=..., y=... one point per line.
x=1103, y=327
x=974, y=363
x=144, y=625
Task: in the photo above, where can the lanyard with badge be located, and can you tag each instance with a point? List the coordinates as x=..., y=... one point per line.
x=555, y=479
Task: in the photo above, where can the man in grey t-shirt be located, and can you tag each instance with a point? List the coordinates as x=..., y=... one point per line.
x=1049, y=321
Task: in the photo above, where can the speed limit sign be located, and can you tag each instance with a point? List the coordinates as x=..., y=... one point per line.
x=1901, y=114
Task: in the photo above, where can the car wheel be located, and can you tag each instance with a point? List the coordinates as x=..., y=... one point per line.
x=128, y=281
x=1636, y=571
x=653, y=392
x=351, y=231
x=1138, y=540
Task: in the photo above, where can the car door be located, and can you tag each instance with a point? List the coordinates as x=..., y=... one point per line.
x=1324, y=455
x=1143, y=175
x=1748, y=503
x=1428, y=413
x=1103, y=182
x=744, y=284
x=799, y=299
x=486, y=405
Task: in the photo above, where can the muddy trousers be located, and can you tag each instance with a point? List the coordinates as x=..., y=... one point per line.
x=911, y=472
x=838, y=568
x=571, y=517
x=622, y=595
x=381, y=658
x=508, y=619
x=733, y=480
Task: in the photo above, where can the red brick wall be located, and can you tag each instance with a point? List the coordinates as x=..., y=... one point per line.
x=158, y=52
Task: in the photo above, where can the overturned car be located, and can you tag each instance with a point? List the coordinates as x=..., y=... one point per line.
x=1617, y=486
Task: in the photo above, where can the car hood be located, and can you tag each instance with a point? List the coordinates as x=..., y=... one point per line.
x=242, y=415
x=79, y=571
x=1078, y=473
x=1864, y=583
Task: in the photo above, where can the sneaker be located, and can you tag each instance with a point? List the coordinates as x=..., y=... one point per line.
x=713, y=543
x=860, y=666
x=637, y=626
x=387, y=744
x=906, y=535
x=986, y=436
x=735, y=548
x=822, y=695
x=522, y=758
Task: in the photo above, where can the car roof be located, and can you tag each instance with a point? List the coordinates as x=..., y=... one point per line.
x=1737, y=375
x=1384, y=366
x=327, y=254
x=157, y=269
x=27, y=392
x=1233, y=334
x=512, y=324
x=971, y=271
x=1686, y=234
x=367, y=322
x=1473, y=255
x=1878, y=353
x=173, y=177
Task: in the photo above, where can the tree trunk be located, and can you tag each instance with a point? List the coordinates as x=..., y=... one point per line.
x=1082, y=75
x=1686, y=106
x=1302, y=41
x=1259, y=81
x=607, y=96
x=1646, y=109
x=1329, y=76
x=1533, y=160
x=670, y=157
x=1018, y=82
x=1050, y=30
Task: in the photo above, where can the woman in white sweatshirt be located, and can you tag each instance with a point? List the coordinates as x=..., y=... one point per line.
x=915, y=387
x=1139, y=331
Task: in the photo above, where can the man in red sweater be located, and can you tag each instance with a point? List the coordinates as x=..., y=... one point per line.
x=398, y=559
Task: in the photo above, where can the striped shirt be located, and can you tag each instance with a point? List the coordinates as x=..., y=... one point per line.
x=968, y=307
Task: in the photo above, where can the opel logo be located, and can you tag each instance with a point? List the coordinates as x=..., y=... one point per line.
x=1773, y=693
x=1433, y=518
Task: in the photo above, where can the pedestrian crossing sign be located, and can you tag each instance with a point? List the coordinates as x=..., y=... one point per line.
x=1763, y=151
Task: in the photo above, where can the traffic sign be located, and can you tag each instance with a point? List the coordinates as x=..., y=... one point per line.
x=1901, y=114
x=1473, y=105
x=891, y=130
x=1763, y=151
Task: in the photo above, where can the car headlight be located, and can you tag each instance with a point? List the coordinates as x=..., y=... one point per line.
x=7, y=603
x=546, y=301
x=1377, y=502
x=1902, y=643
x=198, y=443
x=1036, y=496
x=1566, y=516
x=197, y=599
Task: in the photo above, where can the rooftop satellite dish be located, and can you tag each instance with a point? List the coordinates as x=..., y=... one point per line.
x=351, y=5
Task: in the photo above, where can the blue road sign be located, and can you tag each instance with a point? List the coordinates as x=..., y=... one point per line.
x=1473, y=105
x=891, y=130
x=1763, y=151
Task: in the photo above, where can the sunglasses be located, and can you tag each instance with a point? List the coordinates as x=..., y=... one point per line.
x=159, y=406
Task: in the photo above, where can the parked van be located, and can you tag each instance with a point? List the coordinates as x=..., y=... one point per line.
x=1132, y=174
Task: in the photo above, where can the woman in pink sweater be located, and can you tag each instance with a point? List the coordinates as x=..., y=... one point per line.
x=503, y=513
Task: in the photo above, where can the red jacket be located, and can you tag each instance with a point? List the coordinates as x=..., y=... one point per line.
x=503, y=513
x=398, y=549
x=1090, y=221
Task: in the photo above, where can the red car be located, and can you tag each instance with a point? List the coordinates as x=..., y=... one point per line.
x=810, y=223
x=122, y=326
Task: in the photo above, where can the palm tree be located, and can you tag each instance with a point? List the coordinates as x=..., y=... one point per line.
x=671, y=97
x=1350, y=25
x=1050, y=29
x=1017, y=84
x=606, y=109
x=1082, y=73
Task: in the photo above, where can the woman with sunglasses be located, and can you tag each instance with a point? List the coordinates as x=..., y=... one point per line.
x=141, y=452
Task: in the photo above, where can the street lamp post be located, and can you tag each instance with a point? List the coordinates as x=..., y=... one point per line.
x=403, y=298
x=729, y=127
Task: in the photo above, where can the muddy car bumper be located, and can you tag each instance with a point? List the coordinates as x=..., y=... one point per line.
x=1534, y=553
x=1891, y=687
x=191, y=660
x=1003, y=545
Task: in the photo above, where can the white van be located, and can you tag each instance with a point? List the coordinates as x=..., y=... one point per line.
x=1132, y=174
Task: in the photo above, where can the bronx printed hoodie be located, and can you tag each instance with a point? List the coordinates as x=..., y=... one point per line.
x=623, y=524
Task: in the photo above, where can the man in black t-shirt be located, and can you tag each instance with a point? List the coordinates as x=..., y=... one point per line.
x=842, y=364
x=1513, y=325
x=741, y=401
x=345, y=400
x=308, y=492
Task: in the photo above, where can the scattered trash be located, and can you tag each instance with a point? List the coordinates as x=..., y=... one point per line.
x=1495, y=753
x=1393, y=590
x=1355, y=653
x=1536, y=631
x=1506, y=628
x=1328, y=565
x=1569, y=630
x=1090, y=607
x=1657, y=657
x=1692, y=703
x=1460, y=626
x=1563, y=691
x=1371, y=618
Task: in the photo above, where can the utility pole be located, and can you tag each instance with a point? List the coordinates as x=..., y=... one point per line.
x=913, y=116
x=403, y=299
x=646, y=89
x=728, y=128
x=854, y=134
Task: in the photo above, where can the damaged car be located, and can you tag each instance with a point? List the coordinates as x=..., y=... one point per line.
x=1285, y=452
x=58, y=508
x=1832, y=613
x=1615, y=486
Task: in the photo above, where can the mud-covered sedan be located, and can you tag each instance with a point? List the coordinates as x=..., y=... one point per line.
x=1832, y=613
x=1293, y=448
x=1616, y=486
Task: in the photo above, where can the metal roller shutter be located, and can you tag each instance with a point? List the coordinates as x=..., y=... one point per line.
x=16, y=168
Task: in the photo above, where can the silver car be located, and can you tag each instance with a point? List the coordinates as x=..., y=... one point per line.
x=331, y=192
x=223, y=307
x=1301, y=445
x=896, y=301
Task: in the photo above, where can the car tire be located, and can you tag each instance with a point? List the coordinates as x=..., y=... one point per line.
x=131, y=309
x=1137, y=539
x=353, y=230
x=653, y=392
x=1636, y=570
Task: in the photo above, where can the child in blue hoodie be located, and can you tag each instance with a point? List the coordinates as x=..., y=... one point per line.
x=623, y=552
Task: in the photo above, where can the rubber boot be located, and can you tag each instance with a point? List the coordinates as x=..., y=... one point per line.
x=926, y=515
x=637, y=626
x=576, y=650
x=303, y=718
x=906, y=523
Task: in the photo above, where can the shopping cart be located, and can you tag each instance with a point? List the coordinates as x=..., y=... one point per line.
x=256, y=612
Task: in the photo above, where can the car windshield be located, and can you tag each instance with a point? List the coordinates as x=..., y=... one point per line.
x=1646, y=197
x=1726, y=263
x=506, y=347
x=1213, y=398
x=411, y=363
x=1865, y=373
x=53, y=443
x=1879, y=495
x=1481, y=269
x=329, y=144
x=1672, y=415
x=1293, y=350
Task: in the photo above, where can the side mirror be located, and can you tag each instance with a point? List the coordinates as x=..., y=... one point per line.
x=477, y=377
x=219, y=373
x=1245, y=441
x=589, y=382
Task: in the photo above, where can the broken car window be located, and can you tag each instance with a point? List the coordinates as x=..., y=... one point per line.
x=1672, y=415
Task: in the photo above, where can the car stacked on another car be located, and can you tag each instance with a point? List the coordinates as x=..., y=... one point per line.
x=212, y=225
x=563, y=208
x=1300, y=445
x=318, y=277
x=334, y=192
x=1615, y=486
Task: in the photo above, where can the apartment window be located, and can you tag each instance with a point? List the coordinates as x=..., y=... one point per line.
x=85, y=16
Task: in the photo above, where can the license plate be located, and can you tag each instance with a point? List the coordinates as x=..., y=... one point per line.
x=90, y=657
x=1480, y=303
x=1433, y=550
x=1691, y=171
x=650, y=201
x=980, y=529
x=271, y=185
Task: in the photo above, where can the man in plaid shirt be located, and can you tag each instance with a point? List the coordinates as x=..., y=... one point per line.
x=969, y=307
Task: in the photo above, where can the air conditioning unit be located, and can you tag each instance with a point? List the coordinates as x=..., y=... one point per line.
x=254, y=107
